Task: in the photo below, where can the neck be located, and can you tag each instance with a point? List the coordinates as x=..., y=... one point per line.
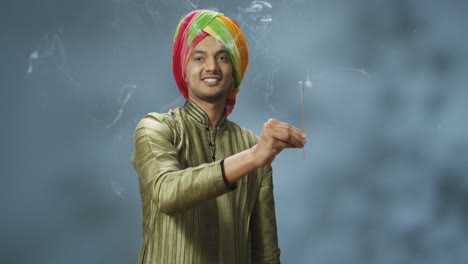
x=214, y=111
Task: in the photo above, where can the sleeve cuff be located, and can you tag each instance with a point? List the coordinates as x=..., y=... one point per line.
x=229, y=186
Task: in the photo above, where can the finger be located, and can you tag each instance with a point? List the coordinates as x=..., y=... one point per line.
x=275, y=123
x=282, y=145
x=284, y=132
x=286, y=136
x=293, y=130
x=269, y=141
x=287, y=133
x=278, y=146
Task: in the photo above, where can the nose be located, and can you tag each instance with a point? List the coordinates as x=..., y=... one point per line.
x=211, y=65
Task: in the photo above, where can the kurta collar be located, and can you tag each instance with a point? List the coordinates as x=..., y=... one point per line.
x=195, y=112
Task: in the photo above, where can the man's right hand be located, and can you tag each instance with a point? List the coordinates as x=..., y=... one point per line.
x=275, y=137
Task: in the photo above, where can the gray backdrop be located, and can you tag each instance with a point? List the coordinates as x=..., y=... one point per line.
x=385, y=177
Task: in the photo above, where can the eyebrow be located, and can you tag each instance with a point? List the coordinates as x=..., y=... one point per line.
x=204, y=52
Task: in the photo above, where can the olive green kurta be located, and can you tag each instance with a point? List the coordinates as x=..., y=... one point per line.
x=189, y=214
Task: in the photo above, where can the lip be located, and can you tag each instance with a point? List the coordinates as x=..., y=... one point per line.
x=212, y=77
x=211, y=84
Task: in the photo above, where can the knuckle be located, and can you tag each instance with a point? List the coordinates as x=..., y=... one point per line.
x=284, y=137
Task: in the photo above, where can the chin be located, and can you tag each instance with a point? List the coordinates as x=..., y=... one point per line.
x=213, y=98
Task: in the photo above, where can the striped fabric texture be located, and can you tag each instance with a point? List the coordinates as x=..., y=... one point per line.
x=196, y=26
x=189, y=214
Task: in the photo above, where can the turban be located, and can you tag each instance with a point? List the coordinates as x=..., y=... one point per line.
x=196, y=26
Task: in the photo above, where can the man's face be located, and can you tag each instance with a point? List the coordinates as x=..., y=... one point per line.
x=209, y=71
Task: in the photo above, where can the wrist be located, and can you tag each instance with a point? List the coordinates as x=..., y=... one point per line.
x=240, y=165
x=252, y=159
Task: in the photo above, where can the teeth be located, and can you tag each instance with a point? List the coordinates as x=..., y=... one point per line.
x=211, y=80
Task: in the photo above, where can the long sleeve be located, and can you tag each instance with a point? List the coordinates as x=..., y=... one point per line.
x=189, y=213
x=263, y=223
x=173, y=189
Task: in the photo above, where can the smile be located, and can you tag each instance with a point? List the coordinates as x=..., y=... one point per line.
x=211, y=80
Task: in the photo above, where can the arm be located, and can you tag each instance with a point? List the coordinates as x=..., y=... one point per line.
x=173, y=189
x=275, y=137
x=263, y=223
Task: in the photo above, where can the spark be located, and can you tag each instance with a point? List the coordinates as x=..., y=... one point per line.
x=308, y=83
x=129, y=89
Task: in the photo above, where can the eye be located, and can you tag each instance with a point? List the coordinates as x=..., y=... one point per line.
x=198, y=59
x=223, y=58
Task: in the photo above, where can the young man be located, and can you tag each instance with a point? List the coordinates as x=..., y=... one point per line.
x=205, y=182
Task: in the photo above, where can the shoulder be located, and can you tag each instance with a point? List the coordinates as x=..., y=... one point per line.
x=154, y=120
x=243, y=132
x=162, y=124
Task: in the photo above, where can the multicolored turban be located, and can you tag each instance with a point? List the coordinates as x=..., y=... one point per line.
x=196, y=26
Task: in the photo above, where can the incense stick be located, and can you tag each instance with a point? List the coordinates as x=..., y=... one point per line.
x=302, y=108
